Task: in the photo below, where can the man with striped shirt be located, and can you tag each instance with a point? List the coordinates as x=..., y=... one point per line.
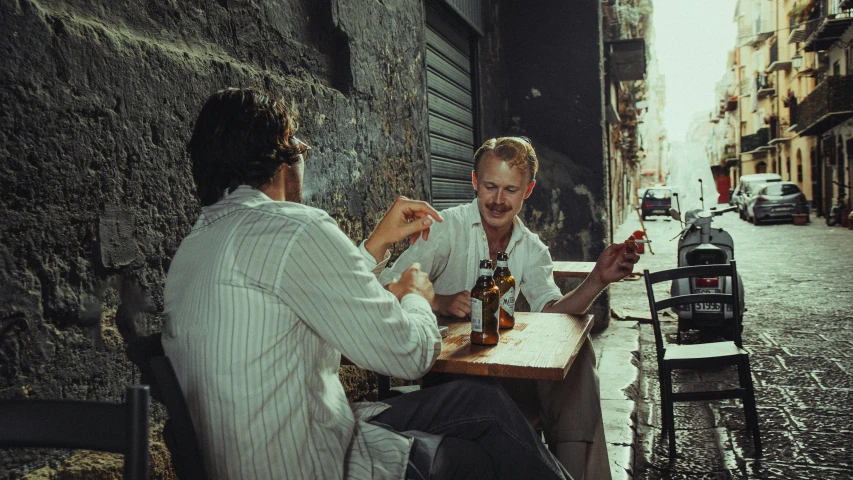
x=503, y=177
x=265, y=294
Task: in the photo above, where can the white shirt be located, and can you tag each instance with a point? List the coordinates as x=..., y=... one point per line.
x=452, y=257
x=261, y=299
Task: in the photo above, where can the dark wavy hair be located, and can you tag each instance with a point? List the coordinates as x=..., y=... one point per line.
x=241, y=137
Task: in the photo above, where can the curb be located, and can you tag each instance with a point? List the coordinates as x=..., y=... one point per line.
x=618, y=358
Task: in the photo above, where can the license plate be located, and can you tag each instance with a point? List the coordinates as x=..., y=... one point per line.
x=783, y=209
x=706, y=307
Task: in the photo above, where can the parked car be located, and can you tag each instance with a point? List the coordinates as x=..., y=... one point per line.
x=744, y=189
x=776, y=201
x=656, y=201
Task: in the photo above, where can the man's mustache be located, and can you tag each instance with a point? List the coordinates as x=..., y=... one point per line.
x=498, y=207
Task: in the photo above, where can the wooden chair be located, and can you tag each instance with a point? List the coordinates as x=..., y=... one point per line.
x=104, y=426
x=702, y=356
x=178, y=432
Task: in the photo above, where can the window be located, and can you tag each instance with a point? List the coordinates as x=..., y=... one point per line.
x=658, y=193
x=799, y=165
x=452, y=104
x=781, y=189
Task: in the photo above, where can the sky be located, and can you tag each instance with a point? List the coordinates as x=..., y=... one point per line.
x=692, y=41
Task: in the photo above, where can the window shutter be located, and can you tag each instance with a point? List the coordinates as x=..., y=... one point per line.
x=451, y=103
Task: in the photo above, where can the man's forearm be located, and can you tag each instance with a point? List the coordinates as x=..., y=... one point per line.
x=578, y=300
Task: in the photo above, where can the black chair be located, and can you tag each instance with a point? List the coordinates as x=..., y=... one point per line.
x=178, y=432
x=701, y=356
x=104, y=426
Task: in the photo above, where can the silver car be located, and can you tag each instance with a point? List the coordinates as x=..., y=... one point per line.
x=776, y=201
x=745, y=190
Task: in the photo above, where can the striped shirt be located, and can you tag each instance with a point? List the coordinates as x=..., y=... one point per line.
x=261, y=299
x=452, y=257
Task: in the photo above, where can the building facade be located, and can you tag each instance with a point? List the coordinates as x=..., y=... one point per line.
x=791, y=107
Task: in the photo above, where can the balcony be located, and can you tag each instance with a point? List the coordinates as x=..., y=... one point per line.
x=823, y=31
x=731, y=104
x=627, y=58
x=829, y=104
x=776, y=64
x=759, y=141
x=764, y=85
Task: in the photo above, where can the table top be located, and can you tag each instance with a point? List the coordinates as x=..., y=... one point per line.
x=542, y=346
x=572, y=269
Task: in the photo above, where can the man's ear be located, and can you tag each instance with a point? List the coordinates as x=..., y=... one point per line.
x=529, y=189
x=474, y=179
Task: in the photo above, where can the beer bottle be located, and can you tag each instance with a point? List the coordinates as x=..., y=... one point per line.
x=485, y=303
x=506, y=284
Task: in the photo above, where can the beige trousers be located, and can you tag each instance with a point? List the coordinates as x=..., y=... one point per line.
x=570, y=411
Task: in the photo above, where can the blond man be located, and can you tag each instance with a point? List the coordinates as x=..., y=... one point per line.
x=504, y=176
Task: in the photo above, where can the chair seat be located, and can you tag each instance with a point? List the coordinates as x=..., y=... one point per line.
x=702, y=350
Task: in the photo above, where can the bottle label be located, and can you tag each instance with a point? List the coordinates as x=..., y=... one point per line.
x=485, y=272
x=476, y=315
x=508, y=301
x=503, y=263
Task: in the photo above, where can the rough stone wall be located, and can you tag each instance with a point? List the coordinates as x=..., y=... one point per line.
x=98, y=100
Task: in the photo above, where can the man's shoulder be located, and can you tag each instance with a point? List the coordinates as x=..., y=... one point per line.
x=292, y=212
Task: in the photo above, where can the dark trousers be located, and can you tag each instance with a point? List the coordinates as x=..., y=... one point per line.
x=470, y=429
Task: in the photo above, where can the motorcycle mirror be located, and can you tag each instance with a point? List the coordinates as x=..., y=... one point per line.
x=674, y=214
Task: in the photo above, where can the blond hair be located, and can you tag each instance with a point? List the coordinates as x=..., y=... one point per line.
x=516, y=151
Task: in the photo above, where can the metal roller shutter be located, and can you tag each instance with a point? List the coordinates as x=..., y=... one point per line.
x=450, y=98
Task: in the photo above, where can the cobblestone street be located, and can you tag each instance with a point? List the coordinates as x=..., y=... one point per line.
x=798, y=329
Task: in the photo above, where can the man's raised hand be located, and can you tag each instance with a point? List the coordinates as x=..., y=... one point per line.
x=406, y=218
x=616, y=262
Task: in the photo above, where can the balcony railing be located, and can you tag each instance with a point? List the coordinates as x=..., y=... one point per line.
x=825, y=26
x=764, y=84
x=829, y=104
x=750, y=143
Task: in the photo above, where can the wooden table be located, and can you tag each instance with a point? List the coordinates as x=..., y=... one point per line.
x=572, y=269
x=542, y=346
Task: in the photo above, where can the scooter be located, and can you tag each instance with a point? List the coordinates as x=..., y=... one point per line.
x=701, y=244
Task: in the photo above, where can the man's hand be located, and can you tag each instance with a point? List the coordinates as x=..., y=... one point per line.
x=616, y=262
x=405, y=218
x=414, y=281
x=458, y=305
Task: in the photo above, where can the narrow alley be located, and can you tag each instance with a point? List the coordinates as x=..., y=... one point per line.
x=798, y=329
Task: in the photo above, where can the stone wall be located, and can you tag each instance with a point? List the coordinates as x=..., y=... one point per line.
x=99, y=99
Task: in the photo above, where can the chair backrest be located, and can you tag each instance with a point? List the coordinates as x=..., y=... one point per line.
x=725, y=270
x=179, y=431
x=104, y=426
